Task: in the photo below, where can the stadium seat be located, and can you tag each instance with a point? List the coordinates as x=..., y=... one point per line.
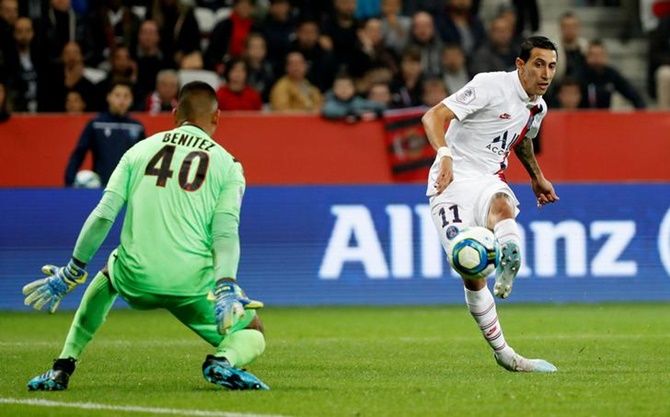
x=140, y=11
x=206, y=20
x=210, y=77
x=94, y=75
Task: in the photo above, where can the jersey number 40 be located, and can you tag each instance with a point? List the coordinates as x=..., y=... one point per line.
x=159, y=165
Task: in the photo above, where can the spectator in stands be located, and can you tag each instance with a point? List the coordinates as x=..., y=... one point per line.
x=69, y=75
x=342, y=103
x=9, y=14
x=74, y=103
x=57, y=27
x=498, y=53
x=149, y=61
x=433, y=91
x=121, y=68
x=424, y=37
x=370, y=50
x=600, y=80
x=178, y=29
x=395, y=26
x=380, y=93
x=528, y=14
x=112, y=24
x=572, y=48
x=236, y=94
x=569, y=94
x=108, y=136
x=406, y=88
x=454, y=72
x=341, y=27
x=278, y=29
x=659, y=63
x=164, y=99
x=23, y=67
x=260, y=72
x=228, y=36
x=293, y=92
x=317, y=51
x=462, y=26
x=4, y=107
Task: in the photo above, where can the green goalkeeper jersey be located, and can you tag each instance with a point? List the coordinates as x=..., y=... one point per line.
x=175, y=183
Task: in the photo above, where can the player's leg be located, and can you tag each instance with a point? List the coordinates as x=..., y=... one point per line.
x=244, y=343
x=500, y=215
x=500, y=219
x=473, y=209
x=91, y=314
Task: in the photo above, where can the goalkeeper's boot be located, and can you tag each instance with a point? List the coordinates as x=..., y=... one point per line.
x=508, y=267
x=56, y=378
x=220, y=372
x=517, y=363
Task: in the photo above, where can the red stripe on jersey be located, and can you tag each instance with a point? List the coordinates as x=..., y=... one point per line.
x=533, y=111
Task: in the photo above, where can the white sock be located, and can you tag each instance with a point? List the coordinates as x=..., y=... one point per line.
x=507, y=231
x=482, y=306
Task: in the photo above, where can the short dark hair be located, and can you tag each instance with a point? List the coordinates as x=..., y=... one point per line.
x=531, y=42
x=120, y=82
x=195, y=99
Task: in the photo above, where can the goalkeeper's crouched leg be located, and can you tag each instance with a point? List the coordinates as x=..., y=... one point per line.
x=245, y=342
x=91, y=314
x=239, y=348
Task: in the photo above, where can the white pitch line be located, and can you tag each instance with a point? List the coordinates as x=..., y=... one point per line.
x=129, y=408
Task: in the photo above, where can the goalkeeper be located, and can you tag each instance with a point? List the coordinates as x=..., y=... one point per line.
x=179, y=248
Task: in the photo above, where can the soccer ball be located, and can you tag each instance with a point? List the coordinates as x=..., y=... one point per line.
x=86, y=179
x=473, y=252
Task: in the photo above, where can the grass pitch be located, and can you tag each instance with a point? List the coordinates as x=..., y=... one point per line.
x=613, y=360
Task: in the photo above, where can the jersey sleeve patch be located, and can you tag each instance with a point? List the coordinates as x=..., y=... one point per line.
x=466, y=96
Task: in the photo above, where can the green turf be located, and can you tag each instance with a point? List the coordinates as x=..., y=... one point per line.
x=613, y=360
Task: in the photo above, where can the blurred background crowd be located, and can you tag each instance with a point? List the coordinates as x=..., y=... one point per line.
x=340, y=58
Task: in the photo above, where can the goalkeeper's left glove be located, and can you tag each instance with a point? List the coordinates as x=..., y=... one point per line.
x=230, y=304
x=50, y=291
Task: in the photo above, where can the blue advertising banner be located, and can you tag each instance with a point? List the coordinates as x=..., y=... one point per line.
x=377, y=244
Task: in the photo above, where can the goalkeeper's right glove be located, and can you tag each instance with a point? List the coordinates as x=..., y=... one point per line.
x=230, y=304
x=50, y=291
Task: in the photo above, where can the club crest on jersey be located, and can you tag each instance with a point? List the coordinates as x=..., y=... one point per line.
x=466, y=96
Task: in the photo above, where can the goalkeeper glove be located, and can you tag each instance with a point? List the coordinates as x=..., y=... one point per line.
x=230, y=304
x=50, y=291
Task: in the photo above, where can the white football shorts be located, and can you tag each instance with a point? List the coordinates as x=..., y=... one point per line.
x=466, y=203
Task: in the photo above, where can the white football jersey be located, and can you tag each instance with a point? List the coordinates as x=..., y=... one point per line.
x=493, y=112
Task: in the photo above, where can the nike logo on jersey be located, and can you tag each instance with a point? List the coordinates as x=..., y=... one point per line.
x=505, y=116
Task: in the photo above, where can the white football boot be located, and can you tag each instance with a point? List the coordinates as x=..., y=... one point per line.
x=508, y=267
x=517, y=363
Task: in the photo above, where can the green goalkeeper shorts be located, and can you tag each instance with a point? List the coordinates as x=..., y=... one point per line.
x=196, y=312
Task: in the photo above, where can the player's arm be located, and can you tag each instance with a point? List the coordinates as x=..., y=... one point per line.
x=48, y=292
x=78, y=154
x=230, y=299
x=434, y=121
x=543, y=189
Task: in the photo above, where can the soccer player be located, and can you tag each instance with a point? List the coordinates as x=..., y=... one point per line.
x=179, y=248
x=108, y=136
x=491, y=115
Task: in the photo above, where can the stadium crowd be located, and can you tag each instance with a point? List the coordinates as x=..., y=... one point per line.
x=343, y=58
